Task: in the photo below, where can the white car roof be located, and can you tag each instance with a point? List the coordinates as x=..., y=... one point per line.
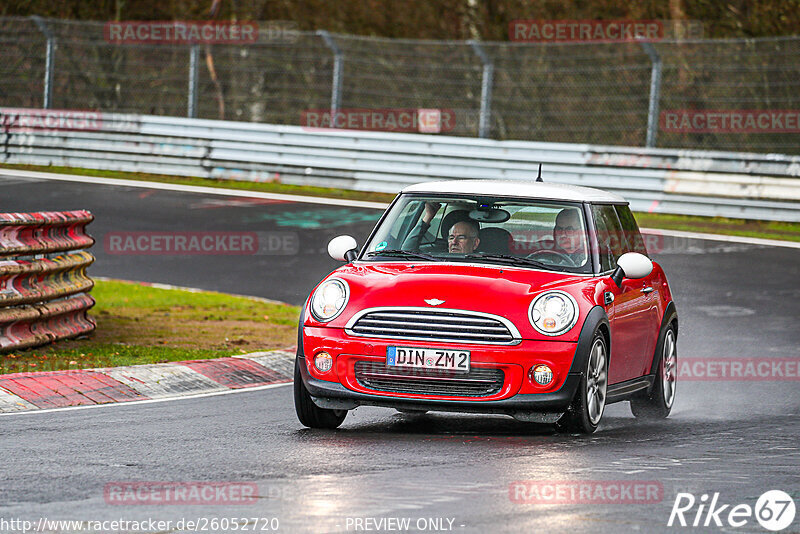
x=515, y=188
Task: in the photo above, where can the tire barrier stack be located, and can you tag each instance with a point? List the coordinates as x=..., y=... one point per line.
x=43, y=283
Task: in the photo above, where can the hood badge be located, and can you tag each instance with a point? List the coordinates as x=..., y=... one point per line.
x=434, y=302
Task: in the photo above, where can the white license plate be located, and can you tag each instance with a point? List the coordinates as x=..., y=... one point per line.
x=451, y=360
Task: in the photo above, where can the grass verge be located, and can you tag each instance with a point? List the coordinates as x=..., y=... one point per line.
x=710, y=225
x=139, y=324
x=719, y=225
x=266, y=187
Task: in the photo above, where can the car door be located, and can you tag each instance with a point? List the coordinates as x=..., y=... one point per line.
x=628, y=314
x=634, y=242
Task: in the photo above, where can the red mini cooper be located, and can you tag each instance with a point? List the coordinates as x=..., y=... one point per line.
x=528, y=299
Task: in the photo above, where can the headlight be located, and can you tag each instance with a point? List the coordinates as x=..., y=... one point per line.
x=553, y=313
x=329, y=299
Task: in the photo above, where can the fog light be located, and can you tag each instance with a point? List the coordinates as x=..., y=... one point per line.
x=541, y=374
x=323, y=362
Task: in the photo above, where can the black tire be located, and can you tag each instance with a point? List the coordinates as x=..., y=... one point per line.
x=310, y=414
x=583, y=417
x=658, y=402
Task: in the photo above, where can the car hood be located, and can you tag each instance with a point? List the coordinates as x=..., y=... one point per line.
x=499, y=290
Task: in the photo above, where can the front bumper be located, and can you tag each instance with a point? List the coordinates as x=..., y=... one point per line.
x=339, y=388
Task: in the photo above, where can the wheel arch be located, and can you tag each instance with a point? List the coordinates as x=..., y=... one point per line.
x=670, y=318
x=596, y=319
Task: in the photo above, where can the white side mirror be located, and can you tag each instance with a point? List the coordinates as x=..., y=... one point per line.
x=635, y=265
x=339, y=247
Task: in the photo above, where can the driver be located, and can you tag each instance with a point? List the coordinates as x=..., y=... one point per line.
x=412, y=242
x=463, y=237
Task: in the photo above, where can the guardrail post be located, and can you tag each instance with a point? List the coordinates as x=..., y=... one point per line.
x=336, y=83
x=194, y=63
x=48, y=62
x=655, y=94
x=484, y=124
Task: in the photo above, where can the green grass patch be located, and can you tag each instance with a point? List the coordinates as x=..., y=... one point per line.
x=138, y=324
x=719, y=225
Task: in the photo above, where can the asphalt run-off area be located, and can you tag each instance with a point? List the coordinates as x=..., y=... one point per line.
x=441, y=472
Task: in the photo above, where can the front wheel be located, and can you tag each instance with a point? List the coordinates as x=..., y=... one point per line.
x=310, y=414
x=658, y=403
x=586, y=410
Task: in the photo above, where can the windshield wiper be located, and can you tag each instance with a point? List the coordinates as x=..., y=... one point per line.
x=516, y=260
x=403, y=253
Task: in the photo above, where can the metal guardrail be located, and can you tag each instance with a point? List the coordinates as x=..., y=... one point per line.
x=739, y=185
x=43, y=283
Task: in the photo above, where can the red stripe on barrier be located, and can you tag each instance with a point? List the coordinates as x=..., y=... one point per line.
x=235, y=372
x=41, y=232
x=28, y=326
x=58, y=389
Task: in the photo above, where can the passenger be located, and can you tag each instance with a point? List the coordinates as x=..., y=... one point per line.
x=568, y=236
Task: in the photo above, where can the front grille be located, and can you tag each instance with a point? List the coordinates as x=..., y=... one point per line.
x=479, y=382
x=454, y=326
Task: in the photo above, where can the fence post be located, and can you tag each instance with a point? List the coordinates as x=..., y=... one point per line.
x=484, y=124
x=655, y=94
x=336, y=84
x=194, y=62
x=48, y=62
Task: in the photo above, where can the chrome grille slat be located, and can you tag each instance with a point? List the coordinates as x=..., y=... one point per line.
x=381, y=322
x=410, y=331
x=444, y=317
x=479, y=382
x=445, y=325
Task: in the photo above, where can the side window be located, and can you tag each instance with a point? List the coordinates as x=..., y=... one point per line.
x=609, y=236
x=633, y=238
x=403, y=221
x=435, y=231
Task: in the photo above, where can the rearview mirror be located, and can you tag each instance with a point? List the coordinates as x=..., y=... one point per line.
x=494, y=215
x=343, y=248
x=632, y=265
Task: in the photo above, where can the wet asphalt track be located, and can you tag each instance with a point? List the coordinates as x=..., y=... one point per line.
x=736, y=438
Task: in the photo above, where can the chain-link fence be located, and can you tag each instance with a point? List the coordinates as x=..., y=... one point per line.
x=607, y=93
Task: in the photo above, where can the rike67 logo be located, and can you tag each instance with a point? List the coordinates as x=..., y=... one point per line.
x=774, y=510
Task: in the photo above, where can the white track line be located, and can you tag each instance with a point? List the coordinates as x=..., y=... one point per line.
x=335, y=202
x=726, y=238
x=159, y=285
x=147, y=401
x=192, y=189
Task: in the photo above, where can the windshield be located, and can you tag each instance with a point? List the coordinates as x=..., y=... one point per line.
x=540, y=234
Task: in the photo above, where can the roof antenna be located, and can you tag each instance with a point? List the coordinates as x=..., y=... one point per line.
x=539, y=178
